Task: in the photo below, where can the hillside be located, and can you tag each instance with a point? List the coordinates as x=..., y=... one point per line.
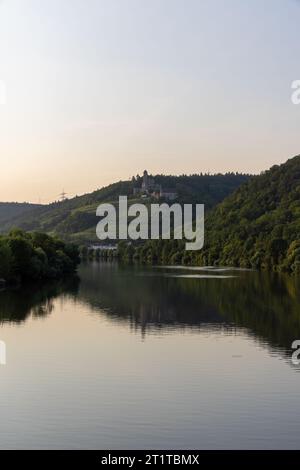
x=258, y=226
x=75, y=219
x=10, y=210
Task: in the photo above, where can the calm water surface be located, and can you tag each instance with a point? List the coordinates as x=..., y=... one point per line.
x=151, y=358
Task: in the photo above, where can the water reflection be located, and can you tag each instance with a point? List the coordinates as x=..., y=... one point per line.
x=215, y=357
x=264, y=305
x=267, y=305
x=36, y=300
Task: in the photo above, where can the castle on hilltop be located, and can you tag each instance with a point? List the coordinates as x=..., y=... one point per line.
x=150, y=188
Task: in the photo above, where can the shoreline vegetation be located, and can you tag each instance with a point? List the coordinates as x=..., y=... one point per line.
x=36, y=257
x=256, y=227
x=172, y=252
x=250, y=222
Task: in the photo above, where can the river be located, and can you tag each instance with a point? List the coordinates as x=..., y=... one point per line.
x=129, y=357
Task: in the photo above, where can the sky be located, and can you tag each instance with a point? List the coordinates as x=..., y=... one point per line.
x=94, y=91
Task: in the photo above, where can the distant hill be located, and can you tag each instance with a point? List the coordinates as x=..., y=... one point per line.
x=258, y=226
x=10, y=210
x=75, y=219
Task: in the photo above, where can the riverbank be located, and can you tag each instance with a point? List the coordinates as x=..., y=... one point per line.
x=35, y=256
x=172, y=252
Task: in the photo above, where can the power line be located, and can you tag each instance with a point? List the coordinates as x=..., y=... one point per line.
x=63, y=195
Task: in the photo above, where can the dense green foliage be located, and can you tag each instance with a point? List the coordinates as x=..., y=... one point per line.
x=75, y=219
x=35, y=256
x=10, y=210
x=258, y=226
x=201, y=188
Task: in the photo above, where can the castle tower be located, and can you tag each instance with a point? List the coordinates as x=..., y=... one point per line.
x=145, y=181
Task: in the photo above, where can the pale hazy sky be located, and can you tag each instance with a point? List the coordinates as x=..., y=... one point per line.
x=98, y=90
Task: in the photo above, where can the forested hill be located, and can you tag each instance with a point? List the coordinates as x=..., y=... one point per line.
x=75, y=219
x=10, y=210
x=258, y=226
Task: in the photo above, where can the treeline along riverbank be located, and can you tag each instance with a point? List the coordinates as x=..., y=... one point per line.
x=35, y=256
